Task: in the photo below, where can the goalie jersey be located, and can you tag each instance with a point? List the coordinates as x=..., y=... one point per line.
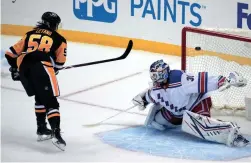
x=184, y=91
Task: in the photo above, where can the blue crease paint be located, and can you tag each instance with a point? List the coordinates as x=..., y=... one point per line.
x=172, y=143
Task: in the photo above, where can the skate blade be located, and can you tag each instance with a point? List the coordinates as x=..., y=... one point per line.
x=59, y=146
x=43, y=137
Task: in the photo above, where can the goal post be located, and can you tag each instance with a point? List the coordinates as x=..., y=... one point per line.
x=219, y=51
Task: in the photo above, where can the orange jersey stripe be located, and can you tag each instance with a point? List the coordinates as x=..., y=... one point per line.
x=19, y=46
x=61, y=53
x=20, y=59
x=46, y=63
x=50, y=71
x=10, y=54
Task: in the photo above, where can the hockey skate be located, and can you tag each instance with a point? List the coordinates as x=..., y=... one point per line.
x=57, y=140
x=43, y=133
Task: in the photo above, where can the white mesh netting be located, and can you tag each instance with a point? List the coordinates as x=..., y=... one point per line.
x=219, y=56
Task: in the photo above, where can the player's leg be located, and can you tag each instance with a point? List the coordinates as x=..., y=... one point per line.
x=150, y=119
x=166, y=118
x=198, y=123
x=46, y=88
x=203, y=107
x=26, y=79
x=160, y=118
x=213, y=130
x=42, y=131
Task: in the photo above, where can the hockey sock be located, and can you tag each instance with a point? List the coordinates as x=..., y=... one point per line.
x=53, y=117
x=40, y=112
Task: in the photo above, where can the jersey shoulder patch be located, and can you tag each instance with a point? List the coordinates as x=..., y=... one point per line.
x=175, y=78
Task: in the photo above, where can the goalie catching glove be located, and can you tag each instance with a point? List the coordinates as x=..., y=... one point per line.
x=234, y=79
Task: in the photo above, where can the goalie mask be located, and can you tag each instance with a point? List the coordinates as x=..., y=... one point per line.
x=159, y=71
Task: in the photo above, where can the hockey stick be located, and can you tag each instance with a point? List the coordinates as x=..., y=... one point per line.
x=99, y=123
x=125, y=54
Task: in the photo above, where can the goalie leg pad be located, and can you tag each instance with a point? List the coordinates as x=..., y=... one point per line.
x=161, y=120
x=212, y=130
x=150, y=119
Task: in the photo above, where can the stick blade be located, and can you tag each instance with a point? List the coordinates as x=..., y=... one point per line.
x=128, y=50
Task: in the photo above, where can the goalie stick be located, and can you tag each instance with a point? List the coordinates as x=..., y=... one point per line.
x=125, y=54
x=99, y=123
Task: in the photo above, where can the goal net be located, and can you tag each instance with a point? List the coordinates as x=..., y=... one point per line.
x=220, y=51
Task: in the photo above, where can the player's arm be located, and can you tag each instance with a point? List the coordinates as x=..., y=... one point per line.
x=11, y=56
x=203, y=82
x=61, y=54
x=14, y=51
x=234, y=79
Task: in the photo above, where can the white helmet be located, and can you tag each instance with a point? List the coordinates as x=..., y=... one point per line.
x=159, y=71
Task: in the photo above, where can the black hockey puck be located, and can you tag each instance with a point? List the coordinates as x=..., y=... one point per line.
x=197, y=48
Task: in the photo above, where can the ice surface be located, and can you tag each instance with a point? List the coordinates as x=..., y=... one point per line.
x=81, y=105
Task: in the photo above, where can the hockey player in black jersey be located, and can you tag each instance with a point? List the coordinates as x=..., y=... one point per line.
x=35, y=61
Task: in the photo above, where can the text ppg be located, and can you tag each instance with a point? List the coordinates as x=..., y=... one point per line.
x=167, y=10
x=243, y=15
x=96, y=10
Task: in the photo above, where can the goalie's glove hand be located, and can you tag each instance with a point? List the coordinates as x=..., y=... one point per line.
x=140, y=100
x=14, y=74
x=234, y=79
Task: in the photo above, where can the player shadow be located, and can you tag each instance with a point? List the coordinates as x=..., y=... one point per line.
x=26, y=144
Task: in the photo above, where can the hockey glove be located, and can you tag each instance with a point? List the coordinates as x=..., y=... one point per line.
x=14, y=74
x=237, y=80
x=234, y=79
x=140, y=100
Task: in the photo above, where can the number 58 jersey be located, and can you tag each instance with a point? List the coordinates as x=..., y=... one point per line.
x=38, y=45
x=184, y=91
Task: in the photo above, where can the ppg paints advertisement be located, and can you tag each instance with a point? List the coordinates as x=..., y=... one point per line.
x=107, y=11
x=153, y=20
